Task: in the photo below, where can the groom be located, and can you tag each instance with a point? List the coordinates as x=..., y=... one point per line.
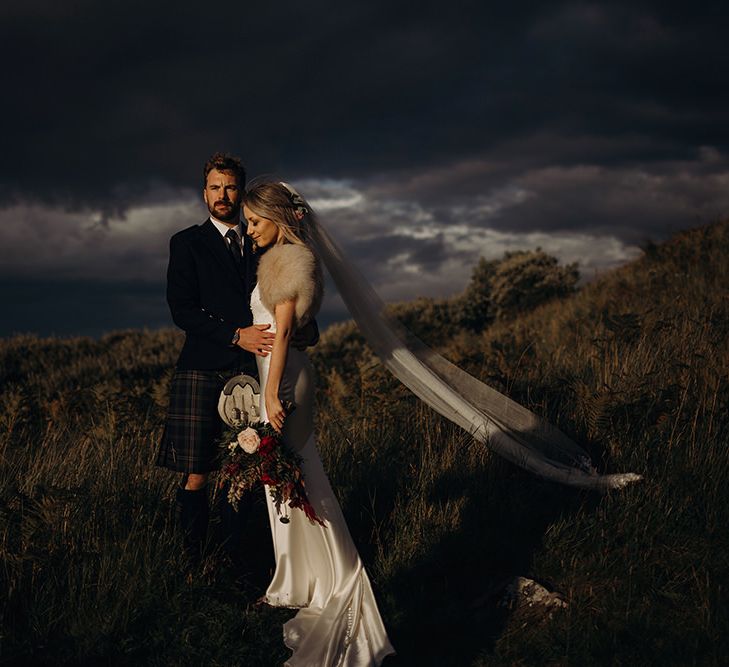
x=211, y=273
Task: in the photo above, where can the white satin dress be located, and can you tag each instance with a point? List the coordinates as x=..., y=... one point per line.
x=318, y=569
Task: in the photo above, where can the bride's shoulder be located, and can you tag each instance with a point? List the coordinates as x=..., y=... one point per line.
x=291, y=272
x=287, y=258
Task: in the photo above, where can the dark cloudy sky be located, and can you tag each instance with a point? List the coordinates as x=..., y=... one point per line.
x=427, y=134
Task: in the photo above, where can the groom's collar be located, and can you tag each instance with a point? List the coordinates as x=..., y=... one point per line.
x=223, y=228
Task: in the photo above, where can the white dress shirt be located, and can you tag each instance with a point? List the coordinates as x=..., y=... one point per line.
x=223, y=228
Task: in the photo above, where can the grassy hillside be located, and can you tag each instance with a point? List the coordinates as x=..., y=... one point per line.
x=635, y=366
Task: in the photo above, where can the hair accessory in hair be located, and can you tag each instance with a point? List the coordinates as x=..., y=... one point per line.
x=297, y=201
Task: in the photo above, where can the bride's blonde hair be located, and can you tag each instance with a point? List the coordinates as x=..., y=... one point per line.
x=283, y=206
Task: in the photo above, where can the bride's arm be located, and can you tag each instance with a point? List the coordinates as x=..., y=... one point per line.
x=284, y=314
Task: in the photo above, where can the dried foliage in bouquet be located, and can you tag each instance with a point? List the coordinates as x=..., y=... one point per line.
x=253, y=452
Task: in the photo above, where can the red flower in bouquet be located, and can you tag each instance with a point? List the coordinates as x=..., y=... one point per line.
x=267, y=479
x=267, y=446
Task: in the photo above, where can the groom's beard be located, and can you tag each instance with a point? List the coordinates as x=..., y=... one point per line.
x=225, y=211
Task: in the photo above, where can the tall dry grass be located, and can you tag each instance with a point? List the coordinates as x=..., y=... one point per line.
x=634, y=366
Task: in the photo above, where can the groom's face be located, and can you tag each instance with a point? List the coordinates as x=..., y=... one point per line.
x=222, y=195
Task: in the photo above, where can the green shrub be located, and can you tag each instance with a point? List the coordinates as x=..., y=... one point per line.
x=517, y=283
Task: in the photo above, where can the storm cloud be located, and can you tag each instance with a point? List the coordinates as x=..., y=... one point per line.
x=424, y=138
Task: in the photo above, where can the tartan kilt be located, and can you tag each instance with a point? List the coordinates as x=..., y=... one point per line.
x=193, y=426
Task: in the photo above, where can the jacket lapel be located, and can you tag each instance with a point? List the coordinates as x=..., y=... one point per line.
x=216, y=244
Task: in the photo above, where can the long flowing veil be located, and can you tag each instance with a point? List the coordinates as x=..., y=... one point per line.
x=506, y=427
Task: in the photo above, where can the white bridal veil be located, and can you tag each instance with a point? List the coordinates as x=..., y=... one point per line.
x=506, y=427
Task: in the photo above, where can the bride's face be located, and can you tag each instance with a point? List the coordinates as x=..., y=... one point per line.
x=263, y=231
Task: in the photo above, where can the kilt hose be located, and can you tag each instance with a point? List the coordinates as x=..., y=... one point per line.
x=193, y=426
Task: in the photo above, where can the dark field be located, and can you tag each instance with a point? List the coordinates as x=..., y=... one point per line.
x=635, y=366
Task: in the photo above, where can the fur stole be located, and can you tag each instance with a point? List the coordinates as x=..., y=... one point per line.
x=291, y=271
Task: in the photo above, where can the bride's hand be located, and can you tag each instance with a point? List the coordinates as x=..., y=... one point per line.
x=276, y=412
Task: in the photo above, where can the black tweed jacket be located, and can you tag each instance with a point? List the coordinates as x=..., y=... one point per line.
x=209, y=298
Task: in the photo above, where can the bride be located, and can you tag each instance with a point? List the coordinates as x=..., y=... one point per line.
x=318, y=568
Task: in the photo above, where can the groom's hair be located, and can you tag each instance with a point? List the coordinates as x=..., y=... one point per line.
x=225, y=162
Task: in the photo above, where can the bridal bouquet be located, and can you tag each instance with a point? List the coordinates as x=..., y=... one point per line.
x=253, y=452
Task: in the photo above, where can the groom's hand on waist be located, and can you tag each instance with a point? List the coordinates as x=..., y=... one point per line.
x=256, y=339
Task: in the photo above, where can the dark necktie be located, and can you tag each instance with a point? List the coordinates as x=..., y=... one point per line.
x=235, y=249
